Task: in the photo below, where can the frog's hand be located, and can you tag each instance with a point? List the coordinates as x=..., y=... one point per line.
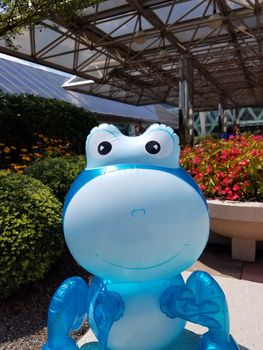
x=203, y=302
x=67, y=312
x=108, y=308
x=180, y=301
x=207, y=290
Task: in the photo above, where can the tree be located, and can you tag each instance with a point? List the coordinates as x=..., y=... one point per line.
x=16, y=14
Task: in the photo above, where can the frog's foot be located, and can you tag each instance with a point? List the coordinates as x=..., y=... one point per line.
x=206, y=343
x=90, y=346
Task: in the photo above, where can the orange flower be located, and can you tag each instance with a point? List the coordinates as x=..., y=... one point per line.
x=38, y=155
x=7, y=149
x=25, y=157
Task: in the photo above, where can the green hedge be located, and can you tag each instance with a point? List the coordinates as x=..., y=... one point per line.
x=23, y=115
x=58, y=173
x=30, y=231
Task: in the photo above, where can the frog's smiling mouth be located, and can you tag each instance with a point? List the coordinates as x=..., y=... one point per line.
x=146, y=267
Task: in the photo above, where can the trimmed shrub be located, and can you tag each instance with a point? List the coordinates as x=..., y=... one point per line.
x=22, y=116
x=30, y=231
x=58, y=173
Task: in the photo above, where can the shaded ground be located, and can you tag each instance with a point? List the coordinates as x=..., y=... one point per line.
x=216, y=260
x=23, y=316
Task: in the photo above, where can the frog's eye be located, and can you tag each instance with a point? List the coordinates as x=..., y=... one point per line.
x=102, y=144
x=104, y=148
x=159, y=144
x=153, y=147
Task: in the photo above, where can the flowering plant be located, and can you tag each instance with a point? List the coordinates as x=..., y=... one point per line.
x=17, y=158
x=227, y=169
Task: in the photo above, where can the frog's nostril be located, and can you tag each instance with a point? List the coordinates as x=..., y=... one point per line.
x=138, y=212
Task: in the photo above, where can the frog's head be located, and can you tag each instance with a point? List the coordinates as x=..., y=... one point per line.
x=106, y=145
x=133, y=214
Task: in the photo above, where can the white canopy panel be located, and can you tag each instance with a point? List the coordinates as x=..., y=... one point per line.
x=131, y=49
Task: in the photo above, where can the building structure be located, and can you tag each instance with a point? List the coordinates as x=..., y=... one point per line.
x=200, y=55
x=19, y=77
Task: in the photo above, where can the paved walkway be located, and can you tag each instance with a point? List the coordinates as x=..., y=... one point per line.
x=244, y=292
x=216, y=260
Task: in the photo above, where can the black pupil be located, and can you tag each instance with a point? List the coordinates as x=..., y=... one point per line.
x=153, y=147
x=104, y=148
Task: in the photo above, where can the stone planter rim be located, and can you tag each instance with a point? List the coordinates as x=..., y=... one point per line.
x=234, y=210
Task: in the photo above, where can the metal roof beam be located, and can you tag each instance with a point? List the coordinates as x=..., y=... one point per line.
x=152, y=18
x=234, y=39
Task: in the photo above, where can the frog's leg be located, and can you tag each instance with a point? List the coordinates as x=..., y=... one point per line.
x=67, y=312
x=201, y=301
x=106, y=308
x=206, y=289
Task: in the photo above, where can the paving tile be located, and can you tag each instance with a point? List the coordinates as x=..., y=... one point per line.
x=253, y=272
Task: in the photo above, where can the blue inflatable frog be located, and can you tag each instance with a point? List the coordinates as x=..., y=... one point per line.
x=136, y=220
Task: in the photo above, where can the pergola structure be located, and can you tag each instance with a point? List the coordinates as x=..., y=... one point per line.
x=190, y=53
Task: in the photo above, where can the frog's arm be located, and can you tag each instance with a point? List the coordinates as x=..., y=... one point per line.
x=67, y=312
x=107, y=307
x=201, y=301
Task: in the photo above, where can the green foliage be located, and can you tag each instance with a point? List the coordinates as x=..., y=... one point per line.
x=58, y=173
x=24, y=116
x=30, y=231
x=14, y=15
x=227, y=169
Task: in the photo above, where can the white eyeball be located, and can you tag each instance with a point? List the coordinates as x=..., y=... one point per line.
x=159, y=144
x=102, y=144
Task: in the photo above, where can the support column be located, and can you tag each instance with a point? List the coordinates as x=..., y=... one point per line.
x=186, y=128
x=235, y=116
x=221, y=117
x=202, y=116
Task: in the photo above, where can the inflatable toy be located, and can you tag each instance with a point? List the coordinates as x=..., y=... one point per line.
x=136, y=220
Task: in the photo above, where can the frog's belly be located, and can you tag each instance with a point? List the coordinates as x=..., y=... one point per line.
x=143, y=325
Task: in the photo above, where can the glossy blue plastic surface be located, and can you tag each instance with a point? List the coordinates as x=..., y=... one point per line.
x=136, y=220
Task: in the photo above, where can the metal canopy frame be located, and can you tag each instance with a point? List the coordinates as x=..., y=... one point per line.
x=226, y=56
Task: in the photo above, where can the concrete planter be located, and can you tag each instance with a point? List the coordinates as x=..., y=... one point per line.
x=242, y=222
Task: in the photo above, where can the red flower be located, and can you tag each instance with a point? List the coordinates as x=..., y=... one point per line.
x=227, y=181
x=217, y=189
x=235, y=151
x=220, y=175
x=236, y=187
x=244, y=162
x=197, y=160
x=209, y=169
x=226, y=191
x=203, y=187
x=232, y=196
